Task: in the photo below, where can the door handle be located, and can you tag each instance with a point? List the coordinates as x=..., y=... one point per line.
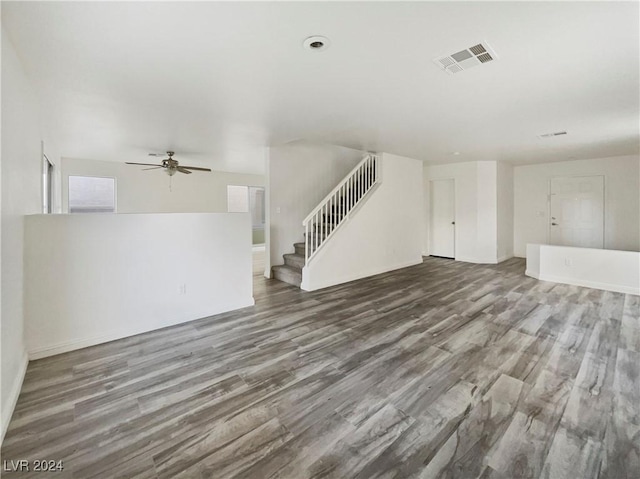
x=453, y=222
x=554, y=224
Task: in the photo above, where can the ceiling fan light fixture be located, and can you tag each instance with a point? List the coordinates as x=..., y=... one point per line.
x=170, y=165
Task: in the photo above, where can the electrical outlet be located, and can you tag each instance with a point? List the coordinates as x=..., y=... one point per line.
x=278, y=210
x=568, y=262
x=182, y=289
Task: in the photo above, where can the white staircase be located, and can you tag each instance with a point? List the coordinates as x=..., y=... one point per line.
x=325, y=219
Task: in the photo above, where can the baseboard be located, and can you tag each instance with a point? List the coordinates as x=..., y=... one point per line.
x=14, y=393
x=532, y=274
x=616, y=288
x=469, y=259
x=354, y=277
x=80, y=343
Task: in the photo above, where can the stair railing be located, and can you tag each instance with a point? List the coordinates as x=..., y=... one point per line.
x=325, y=218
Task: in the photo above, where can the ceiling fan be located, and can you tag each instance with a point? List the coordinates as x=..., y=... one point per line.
x=169, y=164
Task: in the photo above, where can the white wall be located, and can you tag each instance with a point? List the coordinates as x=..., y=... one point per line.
x=96, y=278
x=622, y=200
x=610, y=270
x=484, y=209
x=300, y=175
x=505, y=210
x=465, y=178
x=384, y=233
x=148, y=191
x=21, y=194
x=487, y=212
x=476, y=205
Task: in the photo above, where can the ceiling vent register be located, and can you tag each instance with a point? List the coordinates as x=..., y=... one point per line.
x=551, y=135
x=467, y=58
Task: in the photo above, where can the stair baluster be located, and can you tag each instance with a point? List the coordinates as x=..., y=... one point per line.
x=325, y=218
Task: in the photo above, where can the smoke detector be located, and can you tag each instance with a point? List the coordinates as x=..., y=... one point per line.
x=467, y=58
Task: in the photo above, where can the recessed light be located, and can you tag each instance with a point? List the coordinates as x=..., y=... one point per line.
x=316, y=43
x=455, y=153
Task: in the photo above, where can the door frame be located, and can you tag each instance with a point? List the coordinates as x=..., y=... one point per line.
x=455, y=212
x=604, y=205
x=48, y=170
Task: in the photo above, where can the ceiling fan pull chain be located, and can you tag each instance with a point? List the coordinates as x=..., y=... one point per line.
x=170, y=184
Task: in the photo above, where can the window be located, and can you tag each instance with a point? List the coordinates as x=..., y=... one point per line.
x=90, y=194
x=247, y=199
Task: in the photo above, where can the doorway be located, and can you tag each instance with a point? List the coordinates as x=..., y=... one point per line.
x=576, y=211
x=442, y=236
x=249, y=199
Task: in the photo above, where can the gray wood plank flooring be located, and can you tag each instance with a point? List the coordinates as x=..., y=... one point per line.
x=441, y=370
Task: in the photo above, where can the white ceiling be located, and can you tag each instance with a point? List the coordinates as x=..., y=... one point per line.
x=219, y=81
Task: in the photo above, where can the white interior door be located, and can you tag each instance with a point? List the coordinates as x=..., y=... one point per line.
x=443, y=219
x=577, y=212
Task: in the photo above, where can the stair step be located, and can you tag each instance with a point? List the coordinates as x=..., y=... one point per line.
x=326, y=225
x=319, y=234
x=287, y=274
x=320, y=238
x=300, y=248
x=295, y=260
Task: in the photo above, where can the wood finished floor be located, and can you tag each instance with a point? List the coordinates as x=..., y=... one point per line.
x=443, y=369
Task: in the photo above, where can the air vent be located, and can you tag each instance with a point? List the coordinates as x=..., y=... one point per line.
x=467, y=58
x=550, y=135
x=478, y=49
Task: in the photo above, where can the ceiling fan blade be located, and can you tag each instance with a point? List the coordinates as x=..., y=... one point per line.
x=154, y=168
x=195, y=168
x=143, y=164
x=182, y=170
x=160, y=155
